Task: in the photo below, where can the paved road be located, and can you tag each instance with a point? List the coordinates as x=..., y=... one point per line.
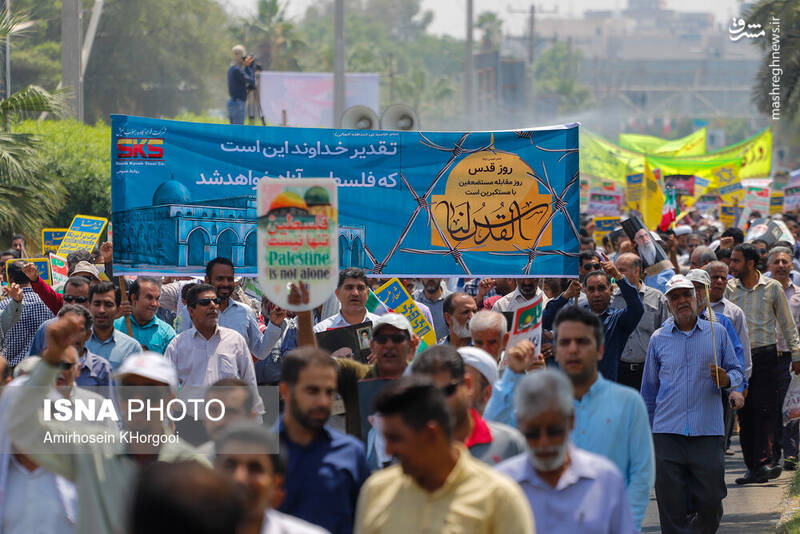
x=751, y=509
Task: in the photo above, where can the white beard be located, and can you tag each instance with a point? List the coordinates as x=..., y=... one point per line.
x=549, y=465
x=461, y=330
x=647, y=253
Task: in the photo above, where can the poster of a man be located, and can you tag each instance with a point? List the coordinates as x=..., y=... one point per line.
x=647, y=247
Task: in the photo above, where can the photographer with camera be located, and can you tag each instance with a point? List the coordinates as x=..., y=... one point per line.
x=240, y=80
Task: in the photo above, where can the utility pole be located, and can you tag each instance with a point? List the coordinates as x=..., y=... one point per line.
x=469, y=68
x=71, y=36
x=338, y=62
x=531, y=34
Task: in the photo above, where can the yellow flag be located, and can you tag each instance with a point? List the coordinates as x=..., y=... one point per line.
x=693, y=144
x=755, y=152
x=708, y=172
x=652, y=198
x=603, y=159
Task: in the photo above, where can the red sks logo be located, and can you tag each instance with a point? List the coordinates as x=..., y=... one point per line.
x=147, y=148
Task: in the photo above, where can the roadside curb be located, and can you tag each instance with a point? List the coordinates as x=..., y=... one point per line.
x=789, y=523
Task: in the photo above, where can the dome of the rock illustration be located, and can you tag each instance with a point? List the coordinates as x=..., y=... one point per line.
x=288, y=203
x=317, y=196
x=171, y=192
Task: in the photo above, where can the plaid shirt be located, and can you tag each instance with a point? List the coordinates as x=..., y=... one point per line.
x=471, y=288
x=34, y=313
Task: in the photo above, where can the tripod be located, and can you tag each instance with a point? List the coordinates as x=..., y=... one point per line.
x=254, y=101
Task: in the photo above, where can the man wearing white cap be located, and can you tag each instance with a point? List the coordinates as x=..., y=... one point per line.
x=489, y=442
x=393, y=345
x=688, y=362
x=482, y=367
x=102, y=464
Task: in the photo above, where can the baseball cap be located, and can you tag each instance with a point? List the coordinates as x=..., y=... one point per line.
x=393, y=319
x=678, y=282
x=700, y=276
x=86, y=268
x=481, y=361
x=683, y=229
x=149, y=365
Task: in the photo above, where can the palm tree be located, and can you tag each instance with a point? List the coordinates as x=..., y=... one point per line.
x=787, y=12
x=27, y=199
x=275, y=40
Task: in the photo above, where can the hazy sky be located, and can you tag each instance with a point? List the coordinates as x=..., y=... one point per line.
x=449, y=15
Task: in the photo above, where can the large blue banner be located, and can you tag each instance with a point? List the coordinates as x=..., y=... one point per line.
x=421, y=204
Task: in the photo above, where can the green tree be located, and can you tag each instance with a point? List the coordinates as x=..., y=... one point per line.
x=158, y=58
x=491, y=26
x=27, y=197
x=275, y=40
x=787, y=12
x=556, y=77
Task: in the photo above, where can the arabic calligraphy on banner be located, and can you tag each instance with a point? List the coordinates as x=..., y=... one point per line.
x=410, y=203
x=83, y=234
x=491, y=201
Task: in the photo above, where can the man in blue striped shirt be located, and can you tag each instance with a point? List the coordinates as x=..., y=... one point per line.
x=688, y=362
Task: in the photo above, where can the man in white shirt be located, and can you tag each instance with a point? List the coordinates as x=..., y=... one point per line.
x=527, y=288
x=352, y=292
x=248, y=454
x=208, y=352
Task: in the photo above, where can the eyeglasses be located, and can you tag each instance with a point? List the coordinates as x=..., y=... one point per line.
x=450, y=388
x=551, y=431
x=381, y=339
x=67, y=365
x=761, y=251
x=591, y=266
x=206, y=302
x=70, y=299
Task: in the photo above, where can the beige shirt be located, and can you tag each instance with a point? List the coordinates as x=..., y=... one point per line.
x=475, y=499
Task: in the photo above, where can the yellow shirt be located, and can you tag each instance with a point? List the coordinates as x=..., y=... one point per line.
x=474, y=499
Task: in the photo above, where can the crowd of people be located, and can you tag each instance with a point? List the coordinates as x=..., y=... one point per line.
x=643, y=375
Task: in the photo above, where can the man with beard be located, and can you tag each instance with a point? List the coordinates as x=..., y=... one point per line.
x=645, y=246
x=765, y=306
x=458, y=309
x=779, y=263
x=437, y=486
x=488, y=441
x=688, y=362
x=489, y=331
x=527, y=289
x=618, y=324
x=433, y=295
x=234, y=314
x=325, y=468
x=569, y=489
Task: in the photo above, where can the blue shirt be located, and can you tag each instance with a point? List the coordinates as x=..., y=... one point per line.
x=618, y=324
x=95, y=371
x=589, y=498
x=611, y=420
x=39, y=341
x=155, y=335
x=659, y=280
x=677, y=388
x=114, y=349
x=240, y=317
x=323, y=478
x=238, y=80
x=738, y=349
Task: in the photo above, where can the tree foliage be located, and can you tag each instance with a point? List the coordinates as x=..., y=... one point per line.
x=556, y=77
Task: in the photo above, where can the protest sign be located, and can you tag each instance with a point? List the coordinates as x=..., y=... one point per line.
x=418, y=204
x=757, y=199
x=776, y=202
x=604, y=203
x=634, y=190
x=727, y=215
x=51, y=239
x=528, y=324
x=367, y=392
x=648, y=248
x=604, y=225
x=707, y=202
x=83, y=234
x=42, y=265
x=394, y=295
x=296, y=241
x=354, y=339
x=791, y=197
x=59, y=270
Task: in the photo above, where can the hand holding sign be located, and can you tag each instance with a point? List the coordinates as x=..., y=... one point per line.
x=522, y=357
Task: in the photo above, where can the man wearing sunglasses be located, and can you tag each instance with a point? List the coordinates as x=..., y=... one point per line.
x=488, y=441
x=93, y=370
x=76, y=291
x=569, y=489
x=207, y=352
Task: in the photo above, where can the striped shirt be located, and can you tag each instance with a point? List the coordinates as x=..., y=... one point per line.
x=677, y=388
x=733, y=312
x=792, y=293
x=766, y=309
